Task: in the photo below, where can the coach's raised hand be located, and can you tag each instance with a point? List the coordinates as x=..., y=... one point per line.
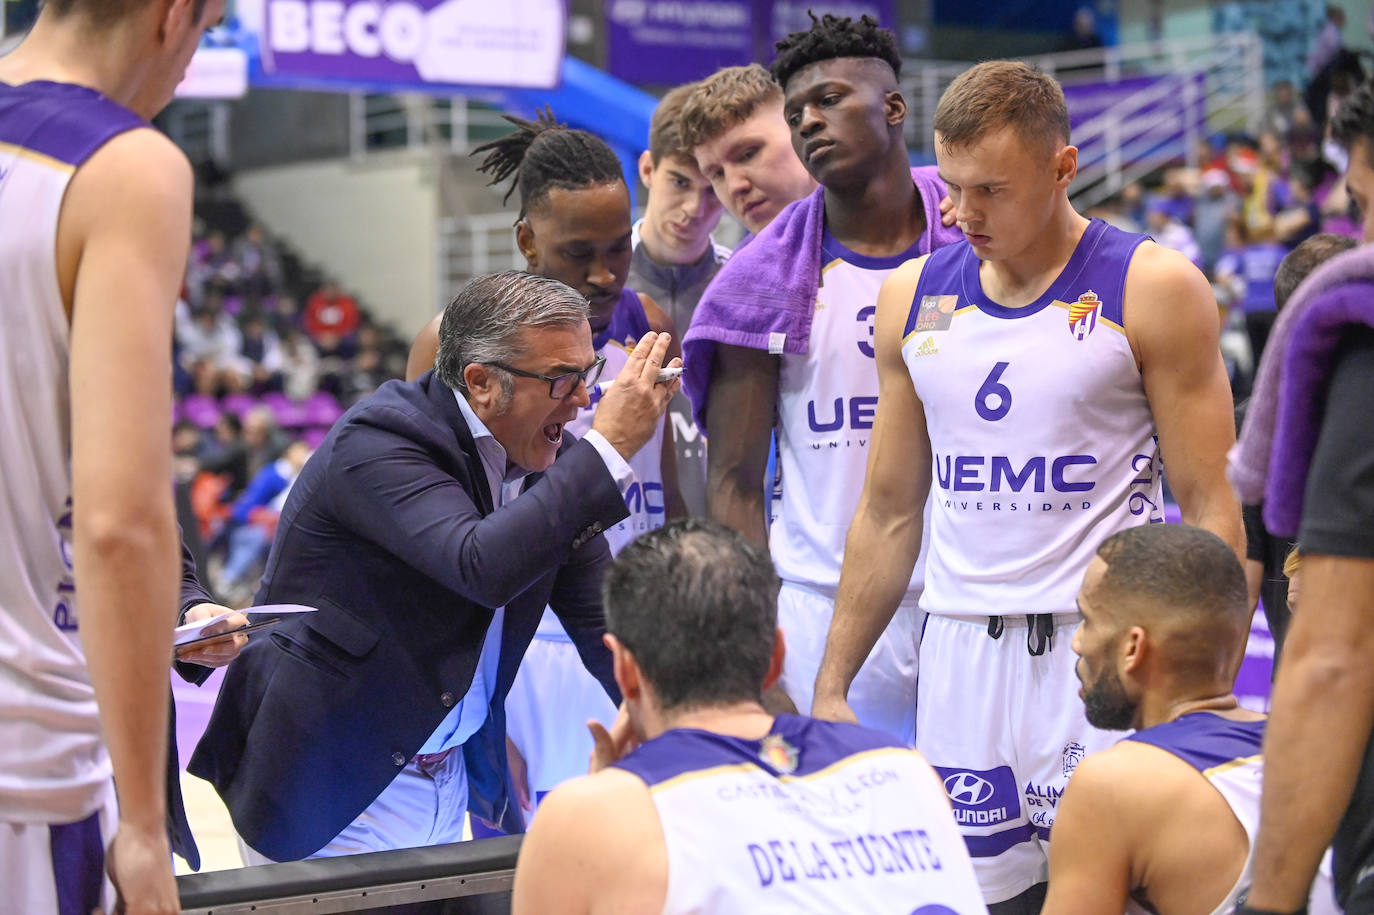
x=632, y=408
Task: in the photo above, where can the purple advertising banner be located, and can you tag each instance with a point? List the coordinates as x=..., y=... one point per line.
x=510, y=43
x=667, y=42
x=670, y=41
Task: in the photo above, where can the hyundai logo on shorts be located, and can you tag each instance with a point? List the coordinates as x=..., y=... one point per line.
x=967, y=788
x=982, y=797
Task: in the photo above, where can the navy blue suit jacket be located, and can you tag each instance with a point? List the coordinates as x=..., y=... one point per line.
x=391, y=533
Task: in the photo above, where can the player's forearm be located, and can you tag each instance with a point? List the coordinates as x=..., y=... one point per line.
x=736, y=499
x=1323, y=697
x=880, y=553
x=126, y=579
x=1216, y=511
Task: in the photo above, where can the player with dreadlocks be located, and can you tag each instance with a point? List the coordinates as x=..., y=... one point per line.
x=574, y=227
x=784, y=335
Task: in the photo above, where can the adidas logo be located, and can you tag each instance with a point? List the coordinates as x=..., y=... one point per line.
x=927, y=348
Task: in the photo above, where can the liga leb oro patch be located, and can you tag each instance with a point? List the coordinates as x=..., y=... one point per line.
x=936, y=313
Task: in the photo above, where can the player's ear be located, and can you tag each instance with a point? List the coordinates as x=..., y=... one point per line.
x=624, y=668
x=894, y=106
x=484, y=387
x=1066, y=165
x=1135, y=645
x=177, y=17
x=775, y=662
x=646, y=167
x=524, y=240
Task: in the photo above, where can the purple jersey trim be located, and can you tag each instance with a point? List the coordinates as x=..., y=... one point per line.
x=78, y=865
x=1204, y=740
x=628, y=321
x=1099, y=261
x=816, y=745
x=62, y=121
x=832, y=249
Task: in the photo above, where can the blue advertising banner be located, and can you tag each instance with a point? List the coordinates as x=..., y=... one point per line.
x=517, y=43
x=667, y=42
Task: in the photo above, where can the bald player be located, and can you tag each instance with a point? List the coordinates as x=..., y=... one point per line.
x=1163, y=821
x=700, y=800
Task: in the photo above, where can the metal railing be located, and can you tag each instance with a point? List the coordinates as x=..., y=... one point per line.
x=200, y=128
x=1201, y=85
x=419, y=122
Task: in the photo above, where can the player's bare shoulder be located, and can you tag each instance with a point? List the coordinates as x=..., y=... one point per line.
x=1166, y=293
x=138, y=172
x=901, y=283
x=593, y=838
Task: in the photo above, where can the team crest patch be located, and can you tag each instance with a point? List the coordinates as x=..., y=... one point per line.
x=778, y=753
x=936, y=313
x=1083, y=314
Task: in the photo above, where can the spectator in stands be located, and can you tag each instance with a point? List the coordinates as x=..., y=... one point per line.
x=224, y=452
x=261, y=353
x=1327, y=44
x=1084, y=33
x=1215, y=208
x=367, y=369
x=700, y=800
x=673, y=259
x=1280, y=118
x=263, y=442
x=210, y=347
x=253, y=521
x=331, y=317
x=1169, y=230
x=259, y=262
x=1163, y=821
x=187, y=442
x=286, y=314
x=300, y=364
x=1245, y=275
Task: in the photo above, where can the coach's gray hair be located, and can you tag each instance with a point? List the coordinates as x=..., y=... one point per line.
x=483, y=322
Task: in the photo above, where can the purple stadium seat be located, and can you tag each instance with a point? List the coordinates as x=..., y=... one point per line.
x=238, y=404
x=322, y=409
x=275, y=401
x=291, y=414
x=201, y=410
x=314, y=435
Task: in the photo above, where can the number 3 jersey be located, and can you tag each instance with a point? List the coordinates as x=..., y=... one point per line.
x=1042, y=439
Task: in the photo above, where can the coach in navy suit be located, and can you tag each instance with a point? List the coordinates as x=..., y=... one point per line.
x=430, y=529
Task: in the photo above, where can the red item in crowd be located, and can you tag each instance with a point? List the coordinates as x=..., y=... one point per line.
x=329, y=312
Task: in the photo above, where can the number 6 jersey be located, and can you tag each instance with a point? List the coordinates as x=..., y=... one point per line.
x=1042, y=439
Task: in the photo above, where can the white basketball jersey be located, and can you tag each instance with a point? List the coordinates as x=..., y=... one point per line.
x=1042, y=438
x=644, y=498
x=815, y=817
x=827, y=399
x=1228, y=754
x=53, y=765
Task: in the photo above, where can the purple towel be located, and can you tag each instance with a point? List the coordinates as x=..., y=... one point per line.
x=1271, y=460
x=765, y=295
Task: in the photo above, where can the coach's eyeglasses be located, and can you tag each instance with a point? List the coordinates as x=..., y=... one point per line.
x=560, y=386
